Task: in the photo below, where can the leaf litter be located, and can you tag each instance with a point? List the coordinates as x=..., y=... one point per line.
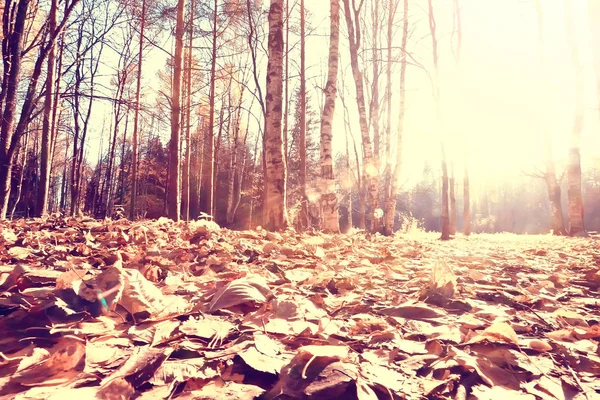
x=156, y=309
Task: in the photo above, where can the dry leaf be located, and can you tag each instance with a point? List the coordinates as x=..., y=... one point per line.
x=240, y=291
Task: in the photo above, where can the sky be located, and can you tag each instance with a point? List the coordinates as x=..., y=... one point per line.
x=496, y=103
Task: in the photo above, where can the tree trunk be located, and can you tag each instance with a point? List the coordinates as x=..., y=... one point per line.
x=232, y=174
x=76, y=129
x=438, y=124
x=445, y=216
x=576, y=226
x=554, y=195
x=466, y=188
x=238, y=187
x=452, y=201
x=122, y=166
x=388, y=128
x=553, y=186
x=390, y=211
x=134, y=161
x=56, y=117
x=233, y=164
x=594, y=22
x=79, y=141
x=302, y=145
x=63, y=184
x=12, y=47
x=209, y=146
x=217, y=148
x=21, y=176
x=329, y=202
x=349, y=191
x=106, y=192
x=286, y=78
x=275, y=210
x=369, y=169
x=47, y=131
x=13, y=43
x=466, y=201
x=374, y=111
x=174, y=160
x=185, y=202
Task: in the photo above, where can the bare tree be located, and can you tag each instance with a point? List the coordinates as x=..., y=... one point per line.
x=369, y=169
x=208, y=170
x=594, y=22
x=390, y=209
x=374, y=105
x=275, y=210
x=329, y=204
x=47, y=130
x=392, y=5
x=24, y=151
x=302, y=144
x=466, y=183
x=185, y=200
x=437, y=105
x=90, y=42
x=549, y=176
x=452, y=198
x=15, y=16
x=174, y=189
x=136, y=117
x=576, y=227
x=359, y=174
x=286, y=79
x=466, y=200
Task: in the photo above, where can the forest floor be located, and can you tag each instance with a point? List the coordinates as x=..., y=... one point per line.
x=150, y=310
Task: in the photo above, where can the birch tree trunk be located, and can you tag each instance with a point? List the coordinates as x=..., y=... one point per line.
x=576, y=226
x=329, y=202
x=174, y=159
x=390, y=207
x=370, y=171
x=275, y=210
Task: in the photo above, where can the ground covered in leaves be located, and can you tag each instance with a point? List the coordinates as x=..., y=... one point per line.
x=150, y=310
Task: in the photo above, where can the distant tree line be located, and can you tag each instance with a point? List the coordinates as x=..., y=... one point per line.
x=250, y=141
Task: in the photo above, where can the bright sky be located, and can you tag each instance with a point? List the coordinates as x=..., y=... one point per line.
x=504, y=102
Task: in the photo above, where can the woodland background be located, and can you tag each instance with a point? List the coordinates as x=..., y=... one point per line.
x=94, y=135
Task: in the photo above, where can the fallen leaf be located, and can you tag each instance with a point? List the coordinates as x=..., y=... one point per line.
x=240, y=291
